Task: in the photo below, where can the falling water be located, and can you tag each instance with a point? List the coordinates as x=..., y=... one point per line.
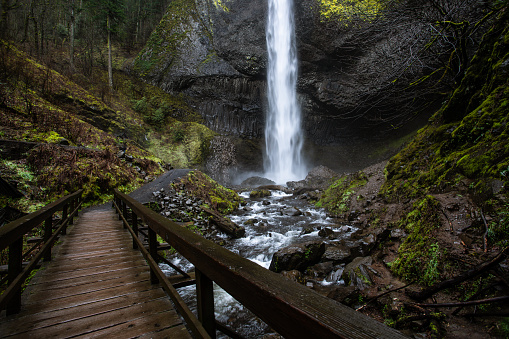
x=283, y=136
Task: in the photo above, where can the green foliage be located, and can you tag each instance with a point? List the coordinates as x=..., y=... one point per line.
x=418, y=251
x=347, y=11
x=141, y=106
x=498, y=231
x=337, y=197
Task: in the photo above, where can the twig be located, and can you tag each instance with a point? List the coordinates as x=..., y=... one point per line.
x=487, y=314
x=464, y=303
x=381, y=295
x=478, y=293
x=451, y=228
x=485, y=239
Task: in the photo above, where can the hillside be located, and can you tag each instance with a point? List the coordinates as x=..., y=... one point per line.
x=439, y=208
x=58, y=136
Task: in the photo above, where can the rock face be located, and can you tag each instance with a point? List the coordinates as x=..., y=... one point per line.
x=214, y=52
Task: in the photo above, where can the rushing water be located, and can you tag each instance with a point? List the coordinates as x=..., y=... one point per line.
x=275, y=227
x=283, y=135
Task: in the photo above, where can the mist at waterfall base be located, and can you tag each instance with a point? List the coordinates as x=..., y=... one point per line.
x=283, y=135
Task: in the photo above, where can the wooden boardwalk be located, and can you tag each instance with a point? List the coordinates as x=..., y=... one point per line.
x=95, y=286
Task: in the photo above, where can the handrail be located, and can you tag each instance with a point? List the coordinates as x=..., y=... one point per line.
x=291, y=309
x=11, y=235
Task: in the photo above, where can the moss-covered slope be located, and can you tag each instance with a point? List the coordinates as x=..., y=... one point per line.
x=466, y=144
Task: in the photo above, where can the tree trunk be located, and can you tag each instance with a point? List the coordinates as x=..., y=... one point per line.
x=110, y=66
x=71, y=37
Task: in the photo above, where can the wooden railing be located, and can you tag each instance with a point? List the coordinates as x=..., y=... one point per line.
x=291, y=309
x=11, y=236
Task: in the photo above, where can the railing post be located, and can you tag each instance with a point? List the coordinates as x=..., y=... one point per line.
x=15, y=267
x=72, y=206
x=48, y=225
x=135, y=228
x=64, y=216
x=152, y=248
x=124, y=212
x=205, y=300
x=121, y=208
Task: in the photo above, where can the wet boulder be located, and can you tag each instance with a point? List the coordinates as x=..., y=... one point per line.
x=297, y=257
x=357, y=273
x=336, y=253
x=256, y=181
x=259, y=194
x=326, y=232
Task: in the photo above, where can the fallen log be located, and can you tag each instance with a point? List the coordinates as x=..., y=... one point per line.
x=428, y=292
x=225, y=224
x=465, y=303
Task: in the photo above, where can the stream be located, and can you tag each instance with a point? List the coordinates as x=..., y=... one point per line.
x=275, y=222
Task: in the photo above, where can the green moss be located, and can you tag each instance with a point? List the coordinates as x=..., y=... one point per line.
x=348, y=11
x=419, y=249
x=184, y=145
x=214, y=195
x=163, y=46
x=337, y=197
x=259, y=194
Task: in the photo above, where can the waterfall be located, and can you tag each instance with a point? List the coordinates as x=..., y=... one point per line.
x=283, y=135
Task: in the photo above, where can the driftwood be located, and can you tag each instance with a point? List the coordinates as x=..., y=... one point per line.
x=225, y=224
x=428, y=292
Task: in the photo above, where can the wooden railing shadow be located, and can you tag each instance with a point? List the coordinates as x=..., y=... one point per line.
x=11, y=236
x=289, y=308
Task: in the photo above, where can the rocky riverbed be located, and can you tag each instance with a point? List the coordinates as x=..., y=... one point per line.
x=346, y=256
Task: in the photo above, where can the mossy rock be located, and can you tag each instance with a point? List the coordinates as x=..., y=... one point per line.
x=336, y=199
x=201, y=186
x=259, y=194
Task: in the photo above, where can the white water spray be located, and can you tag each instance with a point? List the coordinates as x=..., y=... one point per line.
x=283, y=135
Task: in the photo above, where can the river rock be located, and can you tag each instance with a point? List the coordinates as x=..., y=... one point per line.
x=325, y=232
x=320, y=270
x=294, y=275
x=336, y=253
x=256, y=181
x=259, y=194
x=357, y=274
x=297, y=257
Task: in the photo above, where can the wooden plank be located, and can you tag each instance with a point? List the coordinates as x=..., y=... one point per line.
x=28, y=322
x=123, y=268
x=86, y=298
x=69, y=287
x=101, y=320
x=85, y=264
x=97, y=286
x=155, y=324
x=177, y=332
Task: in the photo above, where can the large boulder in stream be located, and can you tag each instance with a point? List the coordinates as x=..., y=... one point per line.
x=297, y=257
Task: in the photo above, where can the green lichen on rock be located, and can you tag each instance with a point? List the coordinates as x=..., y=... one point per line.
x=337, y=197
x=418, y=258
x=216, y=196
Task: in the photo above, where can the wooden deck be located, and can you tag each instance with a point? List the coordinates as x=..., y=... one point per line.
x=95, y=286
